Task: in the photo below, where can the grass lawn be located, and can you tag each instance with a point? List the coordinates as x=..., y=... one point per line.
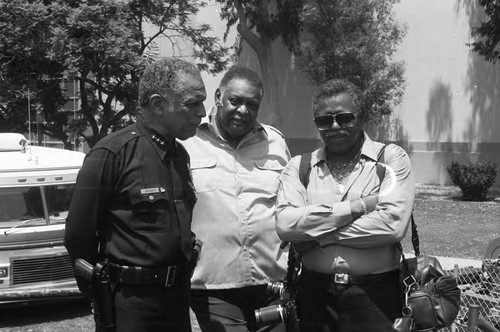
x=447, y=227
x=450, y=227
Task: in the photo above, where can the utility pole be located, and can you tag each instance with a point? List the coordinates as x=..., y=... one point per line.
x=29, y=115
x=74, y=111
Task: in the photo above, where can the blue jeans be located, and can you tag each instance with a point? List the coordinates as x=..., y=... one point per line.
x=328, y=307
x=231, y=309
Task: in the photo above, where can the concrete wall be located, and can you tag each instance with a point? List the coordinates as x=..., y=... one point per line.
x=450, y=108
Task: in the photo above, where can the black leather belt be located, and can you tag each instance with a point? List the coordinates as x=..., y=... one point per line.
x=349, y=279
x=137, y=275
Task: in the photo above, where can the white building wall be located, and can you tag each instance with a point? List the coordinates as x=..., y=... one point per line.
x=450, y=108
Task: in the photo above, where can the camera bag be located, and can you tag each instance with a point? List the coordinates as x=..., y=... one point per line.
x=431, y=297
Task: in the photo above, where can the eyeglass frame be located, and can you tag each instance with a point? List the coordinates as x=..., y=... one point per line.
x=334, y=119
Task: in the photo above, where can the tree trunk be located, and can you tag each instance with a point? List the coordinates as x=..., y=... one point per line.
x=270, y=109
x=271, y=103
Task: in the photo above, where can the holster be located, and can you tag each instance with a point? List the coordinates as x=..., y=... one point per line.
x=195, y=255
x=102, y=297
x=100, y=291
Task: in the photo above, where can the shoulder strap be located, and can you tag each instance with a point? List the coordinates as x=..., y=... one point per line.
x=381, y=168
x=415, y=241
x=305, y=168
x=414, y=236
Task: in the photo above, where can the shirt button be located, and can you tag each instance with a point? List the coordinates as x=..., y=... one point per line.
x=151, y=197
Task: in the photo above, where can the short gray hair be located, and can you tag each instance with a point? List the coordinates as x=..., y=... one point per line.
x=163, y=76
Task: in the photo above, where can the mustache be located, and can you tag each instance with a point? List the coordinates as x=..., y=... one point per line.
x=337, y=134
x=239, y=118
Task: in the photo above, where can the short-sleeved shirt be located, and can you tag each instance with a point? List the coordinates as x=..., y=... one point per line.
x=124, y=194
x=234, y=216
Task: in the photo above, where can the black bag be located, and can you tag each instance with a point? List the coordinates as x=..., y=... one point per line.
x=431, y=298
x=404, y=324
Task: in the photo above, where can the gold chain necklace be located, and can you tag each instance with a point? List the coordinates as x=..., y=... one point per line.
x=341, y=170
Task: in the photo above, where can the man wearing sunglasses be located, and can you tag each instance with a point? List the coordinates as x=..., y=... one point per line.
x=345, y=207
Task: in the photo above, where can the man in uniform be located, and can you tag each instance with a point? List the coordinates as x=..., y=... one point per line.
x=131, y=210
x=236, y=162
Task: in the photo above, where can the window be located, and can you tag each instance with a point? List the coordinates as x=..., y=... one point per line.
x=31, y=203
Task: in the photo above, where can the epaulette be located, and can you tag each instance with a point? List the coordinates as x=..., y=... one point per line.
x=114, y=142
x=268, y=127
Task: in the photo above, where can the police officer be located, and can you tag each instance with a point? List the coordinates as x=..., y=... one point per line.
x=131, y=210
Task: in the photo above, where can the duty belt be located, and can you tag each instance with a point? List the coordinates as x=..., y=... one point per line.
x=349, y=279
x=137, y=275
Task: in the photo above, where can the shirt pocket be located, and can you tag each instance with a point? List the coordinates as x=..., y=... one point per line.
x=150, y=208
x=267, y=175
x=204, y=174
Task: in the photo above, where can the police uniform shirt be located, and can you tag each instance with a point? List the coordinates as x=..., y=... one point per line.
x=124, y=193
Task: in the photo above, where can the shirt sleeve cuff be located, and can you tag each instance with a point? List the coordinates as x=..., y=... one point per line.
x=341, y=216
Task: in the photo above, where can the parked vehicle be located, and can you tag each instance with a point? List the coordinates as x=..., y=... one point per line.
x=36, y=186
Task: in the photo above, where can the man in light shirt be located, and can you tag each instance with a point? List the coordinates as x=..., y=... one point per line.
x=346, y=214
x=235, y=163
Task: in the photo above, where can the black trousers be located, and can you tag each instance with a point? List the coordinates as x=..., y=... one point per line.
x=328, y=307
x=148, y=308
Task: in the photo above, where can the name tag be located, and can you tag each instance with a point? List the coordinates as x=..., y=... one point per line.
x=147, y=191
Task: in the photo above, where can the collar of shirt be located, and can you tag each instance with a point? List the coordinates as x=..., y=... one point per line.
x=163, y=146
x=210, y=124
x=368, y=150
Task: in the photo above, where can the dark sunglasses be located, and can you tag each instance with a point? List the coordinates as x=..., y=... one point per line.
x=344, y=120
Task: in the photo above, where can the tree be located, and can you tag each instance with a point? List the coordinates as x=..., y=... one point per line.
x=26, y=71
x=259, y=23
x=103, y=45
x=330, y=39
x=487, y=34
x=355, y=40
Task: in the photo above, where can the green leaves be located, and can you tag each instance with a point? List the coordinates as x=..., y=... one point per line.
x=354, y=40
x=487, y=34
x=103, y=44
x=473, y=178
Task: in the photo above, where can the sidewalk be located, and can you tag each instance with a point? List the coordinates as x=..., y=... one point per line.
x=448, y=263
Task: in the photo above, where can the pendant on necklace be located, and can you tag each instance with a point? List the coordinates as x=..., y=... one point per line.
x=341, y=188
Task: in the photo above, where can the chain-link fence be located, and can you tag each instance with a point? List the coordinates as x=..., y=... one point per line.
x=480, y=290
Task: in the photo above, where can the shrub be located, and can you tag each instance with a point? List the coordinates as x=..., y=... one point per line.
x=473, y=178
